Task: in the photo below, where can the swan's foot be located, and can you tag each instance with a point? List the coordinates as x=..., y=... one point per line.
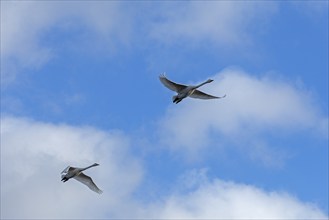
x=176, y=100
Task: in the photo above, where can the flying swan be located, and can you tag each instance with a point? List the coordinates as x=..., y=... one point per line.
x=184, y=91
x=76, y=173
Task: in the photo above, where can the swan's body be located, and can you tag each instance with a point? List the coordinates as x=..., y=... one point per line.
x=184, y=91
x=76, y=173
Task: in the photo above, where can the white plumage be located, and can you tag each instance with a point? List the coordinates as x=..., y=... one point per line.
x=76, y=173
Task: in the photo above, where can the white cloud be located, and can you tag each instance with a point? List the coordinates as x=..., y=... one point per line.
x=219, y=199
x=254, y=106
x=225, y=23
x=34, y=153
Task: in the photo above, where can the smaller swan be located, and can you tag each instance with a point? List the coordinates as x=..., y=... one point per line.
x=185, y=91
x=76, y=173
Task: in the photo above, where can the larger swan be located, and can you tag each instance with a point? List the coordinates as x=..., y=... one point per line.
x=76, y=173
x=184, y=91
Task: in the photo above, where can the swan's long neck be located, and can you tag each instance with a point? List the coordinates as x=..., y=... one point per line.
x=88, y=167
x=201, y=84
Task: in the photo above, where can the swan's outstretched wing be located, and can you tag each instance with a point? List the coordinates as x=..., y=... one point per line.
x=171, y=85
x=88, y=182
x=201, y=95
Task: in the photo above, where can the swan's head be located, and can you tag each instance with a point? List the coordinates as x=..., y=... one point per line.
x=95, y=164
x=209, y=81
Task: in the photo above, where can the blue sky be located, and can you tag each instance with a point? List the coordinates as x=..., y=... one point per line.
x=79, y=84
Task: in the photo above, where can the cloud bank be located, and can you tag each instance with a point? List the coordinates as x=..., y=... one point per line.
x=219, y=199
x=34, y=153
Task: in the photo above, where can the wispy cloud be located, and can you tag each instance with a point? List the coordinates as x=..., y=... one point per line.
x=28, y=39
x=221, y=23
